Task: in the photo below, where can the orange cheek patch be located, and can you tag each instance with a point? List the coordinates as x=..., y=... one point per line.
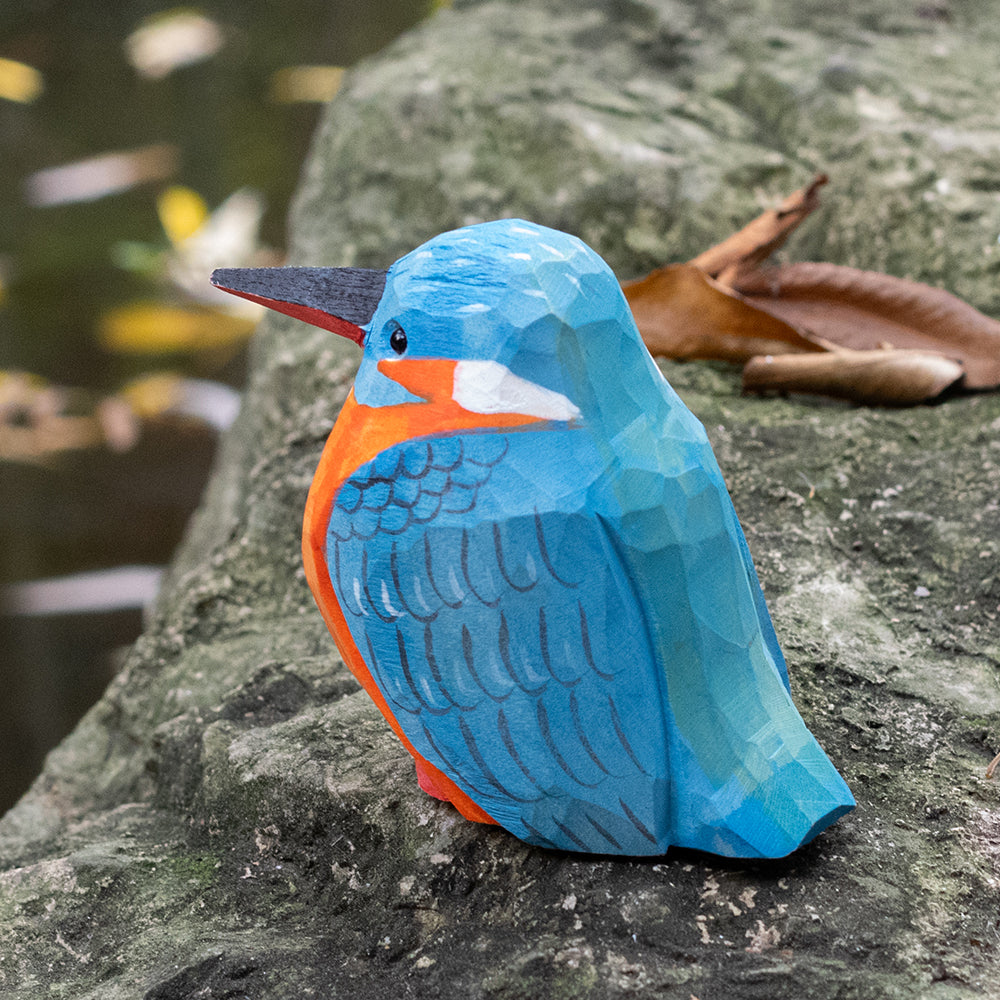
x=432, y=379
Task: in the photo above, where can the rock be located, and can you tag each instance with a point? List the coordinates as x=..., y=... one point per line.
x=234, y=818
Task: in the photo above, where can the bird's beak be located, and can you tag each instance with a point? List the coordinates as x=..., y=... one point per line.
x=339, y=299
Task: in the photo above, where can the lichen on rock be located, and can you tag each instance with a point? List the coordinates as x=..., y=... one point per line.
x=234, y=818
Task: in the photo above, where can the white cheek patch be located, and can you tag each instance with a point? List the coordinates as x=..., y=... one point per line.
x=490, y=387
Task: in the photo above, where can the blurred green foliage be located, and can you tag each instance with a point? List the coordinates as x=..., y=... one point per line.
x=61, y=272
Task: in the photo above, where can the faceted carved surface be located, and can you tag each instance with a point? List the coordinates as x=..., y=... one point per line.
x=236, y=817
x=564, y=620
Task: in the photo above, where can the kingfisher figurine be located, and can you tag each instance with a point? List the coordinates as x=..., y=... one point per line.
x=523, y=546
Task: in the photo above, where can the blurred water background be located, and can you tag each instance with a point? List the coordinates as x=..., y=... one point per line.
x=140, y=146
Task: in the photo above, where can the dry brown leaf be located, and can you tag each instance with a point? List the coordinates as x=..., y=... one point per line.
x=747, y=249
x=864, y=309
x=798, y=311
x=881, y=377
x=682, y=313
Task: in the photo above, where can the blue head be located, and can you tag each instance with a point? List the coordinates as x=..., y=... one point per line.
x=537, y=302
x=533, y=316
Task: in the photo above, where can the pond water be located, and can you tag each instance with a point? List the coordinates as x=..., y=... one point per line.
x=140, y=144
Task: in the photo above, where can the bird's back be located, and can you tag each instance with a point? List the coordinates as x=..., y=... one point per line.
x=748, y=777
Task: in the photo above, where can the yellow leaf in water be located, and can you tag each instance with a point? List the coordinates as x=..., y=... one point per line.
x=166, y=394
x=19, y=81
x=153, y=328
x=182, y=212
x=305, y=83
x=152, y=395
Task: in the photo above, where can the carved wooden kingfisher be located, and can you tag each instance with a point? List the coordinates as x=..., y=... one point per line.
x=523, y=546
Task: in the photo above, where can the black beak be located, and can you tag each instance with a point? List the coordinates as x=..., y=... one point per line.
x=340, y=299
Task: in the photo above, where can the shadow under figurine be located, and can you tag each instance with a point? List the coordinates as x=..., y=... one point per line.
x=523, y=546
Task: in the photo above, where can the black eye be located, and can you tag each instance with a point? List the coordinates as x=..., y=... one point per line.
x=397, y=340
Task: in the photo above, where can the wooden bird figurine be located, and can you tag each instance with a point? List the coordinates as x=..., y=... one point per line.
x=523, y=546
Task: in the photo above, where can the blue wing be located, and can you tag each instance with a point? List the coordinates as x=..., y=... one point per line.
x=507, y=638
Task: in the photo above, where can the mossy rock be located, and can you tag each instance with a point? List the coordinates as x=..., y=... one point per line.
x=234, y=818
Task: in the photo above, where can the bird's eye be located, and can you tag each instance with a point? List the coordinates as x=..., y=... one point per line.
x=397, y=340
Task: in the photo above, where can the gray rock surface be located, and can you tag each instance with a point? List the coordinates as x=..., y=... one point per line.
x=234, y=819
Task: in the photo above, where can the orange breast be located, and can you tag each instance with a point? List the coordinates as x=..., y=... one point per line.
x=361, y=433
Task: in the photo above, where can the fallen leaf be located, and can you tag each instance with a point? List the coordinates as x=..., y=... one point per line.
x=152, y=328
x=20, y=82
x=747, y=249
x=171, y=39
x=119, y=423
x=715, y=307
x=306, y=84
x=864, y=309
x=152, y=395
x=165, y=394
x=880, y=377
x=182, y=212
x=683, y=313
x=99, y=176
